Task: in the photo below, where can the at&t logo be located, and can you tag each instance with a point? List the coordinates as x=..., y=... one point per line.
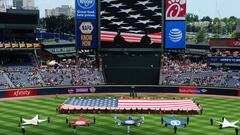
x=175, y=35
x=86, y=4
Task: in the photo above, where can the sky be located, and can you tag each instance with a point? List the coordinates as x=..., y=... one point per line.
x=212, y=8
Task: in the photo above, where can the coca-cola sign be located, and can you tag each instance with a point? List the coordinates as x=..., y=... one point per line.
x=21, y=93
x=234, y=43
x=175, y=9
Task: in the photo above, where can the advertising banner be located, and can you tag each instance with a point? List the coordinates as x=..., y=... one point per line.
x=234, y=43
x=86, y=34
x=2, y=94
x=238, y=92
x=187, y=90
x=175, y=10
x=192, y=90
x=21, y=93
x=81, y=90
x=86, y=9
x=223, y=60
x=175, y=34
x=2, y=6
x=224, y=42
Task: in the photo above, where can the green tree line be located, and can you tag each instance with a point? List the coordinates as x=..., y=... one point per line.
x=58, y=24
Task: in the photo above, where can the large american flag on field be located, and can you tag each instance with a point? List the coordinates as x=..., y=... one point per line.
x=133, y=18
x=129, y=103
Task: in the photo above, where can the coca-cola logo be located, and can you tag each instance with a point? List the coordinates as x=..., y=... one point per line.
x=237, y=43
x=19, y=93
x=234, y=42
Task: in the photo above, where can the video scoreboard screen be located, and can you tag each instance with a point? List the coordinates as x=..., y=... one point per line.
x=131, y=23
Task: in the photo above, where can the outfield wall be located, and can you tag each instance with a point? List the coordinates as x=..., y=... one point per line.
x=24, y=92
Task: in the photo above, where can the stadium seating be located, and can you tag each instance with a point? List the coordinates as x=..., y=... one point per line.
x=186, y=72
x=53, y=77
x=3, y=82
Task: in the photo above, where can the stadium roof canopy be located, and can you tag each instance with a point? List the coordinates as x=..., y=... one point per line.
x=61, y=49
x=60, y=43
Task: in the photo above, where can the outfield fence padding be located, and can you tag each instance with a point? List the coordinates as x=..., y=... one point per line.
x=23, y=92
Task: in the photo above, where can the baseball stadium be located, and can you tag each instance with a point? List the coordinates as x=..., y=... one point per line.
x=116, y=67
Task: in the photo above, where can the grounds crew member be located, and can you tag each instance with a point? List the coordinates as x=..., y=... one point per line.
x=187, y=120
x=49, y=119
x=236, y=131
x=23, y=130
x=211, y=121
x=175, y=129
x=94, y=119
x=67, y=120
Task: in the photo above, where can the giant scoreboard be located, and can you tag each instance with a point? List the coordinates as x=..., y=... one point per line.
x=131, y=23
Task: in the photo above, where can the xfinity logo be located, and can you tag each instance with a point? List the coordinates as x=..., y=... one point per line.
x=175, y=35
x=86, y=4
x=22, y=93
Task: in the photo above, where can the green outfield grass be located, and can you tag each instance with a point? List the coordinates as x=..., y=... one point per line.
x=214, y=108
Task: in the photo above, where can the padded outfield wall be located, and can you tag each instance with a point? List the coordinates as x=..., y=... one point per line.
x=24, y=92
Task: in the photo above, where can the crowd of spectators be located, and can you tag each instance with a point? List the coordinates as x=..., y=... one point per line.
x=54, y=77
x=25, y=78
x=64, y=73
x=177, y=70
x=184, y=71
x=3, y=81
x=86, y=72
x=226, y=53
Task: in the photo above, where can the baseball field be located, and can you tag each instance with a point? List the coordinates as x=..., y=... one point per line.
x=214, y=107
